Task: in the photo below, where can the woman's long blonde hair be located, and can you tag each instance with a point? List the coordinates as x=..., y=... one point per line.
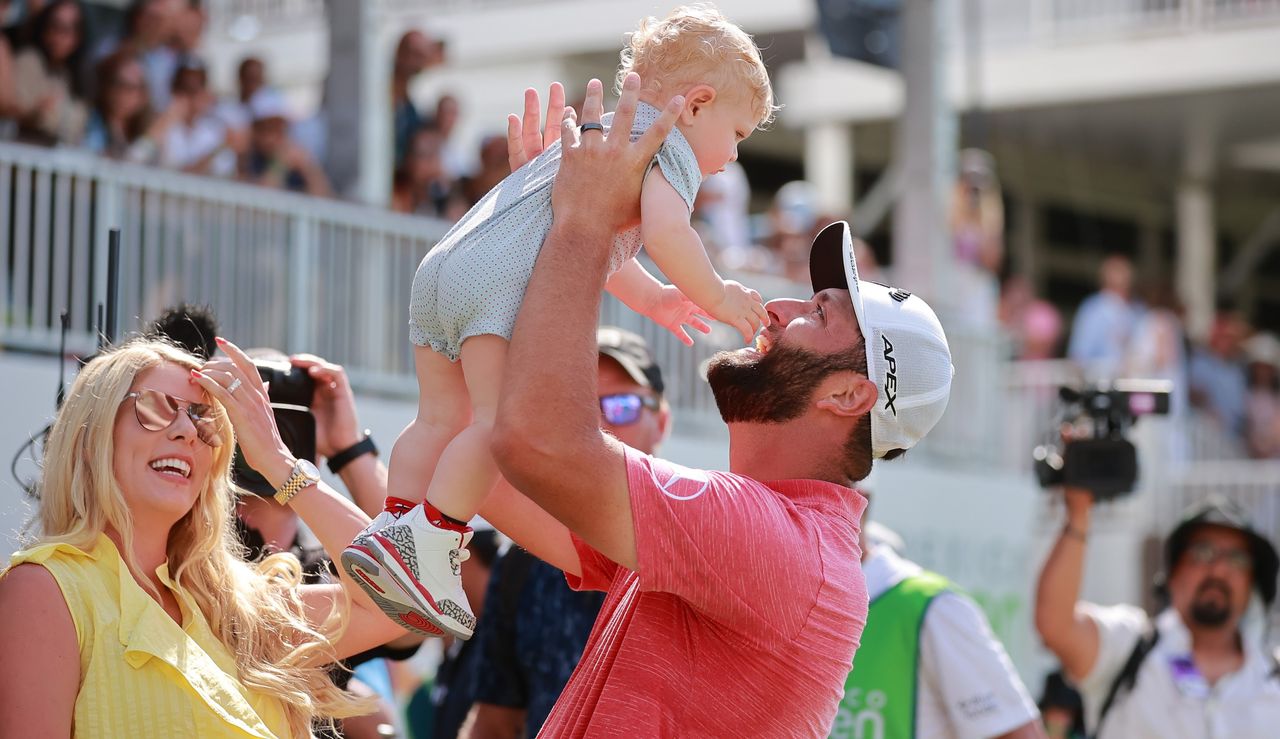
x=253, y=609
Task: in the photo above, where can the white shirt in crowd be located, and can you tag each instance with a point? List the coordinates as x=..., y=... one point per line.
x=967, y=687
x=185, y=145
x=1170, y=699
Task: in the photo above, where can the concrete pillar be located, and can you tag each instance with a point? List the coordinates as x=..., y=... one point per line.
x=829, y=165
x=1197, y=236
x=357, y=103
x=1197, y=252
x=925, y=146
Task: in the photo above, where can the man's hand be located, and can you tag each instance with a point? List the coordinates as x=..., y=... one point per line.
x=580, y=194
x=1079, y=504
x=334, y=405
x=526, y=138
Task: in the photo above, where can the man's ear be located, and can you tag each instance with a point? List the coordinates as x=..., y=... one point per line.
x=695, y=101
x=664, y=420
x=848, y=394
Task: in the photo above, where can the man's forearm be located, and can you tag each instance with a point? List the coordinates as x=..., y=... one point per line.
x=1060, y=579
x=365, y=477
x=550, y=387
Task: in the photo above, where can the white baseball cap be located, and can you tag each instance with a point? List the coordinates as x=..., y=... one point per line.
x=266, y=104
x=907, y=354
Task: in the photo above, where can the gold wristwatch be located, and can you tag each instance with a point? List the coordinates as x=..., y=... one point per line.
x=304, y=474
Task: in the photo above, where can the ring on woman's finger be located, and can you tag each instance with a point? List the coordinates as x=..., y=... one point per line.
x=590, y=127
x=234, y=386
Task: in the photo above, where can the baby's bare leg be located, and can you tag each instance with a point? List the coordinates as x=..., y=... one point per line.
x=444, y=410
x=466, y=472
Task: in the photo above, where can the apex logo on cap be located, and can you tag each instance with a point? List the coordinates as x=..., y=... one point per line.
x=891, y=376
x=899, y=294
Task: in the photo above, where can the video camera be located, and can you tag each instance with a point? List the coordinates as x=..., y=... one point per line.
x=291, y=391
x=1098, y=457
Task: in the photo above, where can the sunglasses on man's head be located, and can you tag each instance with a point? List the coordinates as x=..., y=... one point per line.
x=624, y=408
x=156, y=411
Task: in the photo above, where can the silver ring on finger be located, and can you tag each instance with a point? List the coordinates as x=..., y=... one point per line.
x=234, y=386
x=591, y=127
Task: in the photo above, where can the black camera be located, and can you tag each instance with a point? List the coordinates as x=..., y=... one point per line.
x=1098, y=457
x=291, y=391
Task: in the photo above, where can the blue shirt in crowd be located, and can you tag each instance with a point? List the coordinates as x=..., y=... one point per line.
x=1101, y=331
x=530, y=636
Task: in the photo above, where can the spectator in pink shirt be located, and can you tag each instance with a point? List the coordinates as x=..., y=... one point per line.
x=735, y=600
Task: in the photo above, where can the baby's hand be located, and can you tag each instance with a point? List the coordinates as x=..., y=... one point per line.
x=673, y=311
x=741, y=308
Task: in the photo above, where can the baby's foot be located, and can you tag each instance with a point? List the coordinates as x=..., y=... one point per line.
x=363, y=567
x=423, y=554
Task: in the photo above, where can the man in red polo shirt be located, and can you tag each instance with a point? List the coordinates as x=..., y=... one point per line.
x=735, y=599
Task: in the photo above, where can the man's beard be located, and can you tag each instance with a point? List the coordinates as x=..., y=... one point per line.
x=776, y=386
x=1211, y=613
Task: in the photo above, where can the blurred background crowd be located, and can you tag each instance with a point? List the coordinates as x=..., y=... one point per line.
x=1105, y=208
x=133, y=84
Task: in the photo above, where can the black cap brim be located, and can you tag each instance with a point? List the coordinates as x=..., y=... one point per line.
x=826, y=259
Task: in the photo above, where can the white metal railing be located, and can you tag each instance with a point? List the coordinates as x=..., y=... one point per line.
x=299, y=274
x=280, y=269
x=333, y=278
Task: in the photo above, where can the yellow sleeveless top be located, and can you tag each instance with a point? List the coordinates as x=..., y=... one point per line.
x=141, y=674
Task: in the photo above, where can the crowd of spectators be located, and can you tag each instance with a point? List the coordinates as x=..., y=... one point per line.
x=142, y=95
x=1231, y=377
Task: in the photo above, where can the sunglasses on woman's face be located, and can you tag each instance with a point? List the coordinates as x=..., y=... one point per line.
x=156, y=411
x=624, y=409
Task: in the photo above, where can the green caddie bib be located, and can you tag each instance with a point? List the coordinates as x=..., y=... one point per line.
x=880, y=693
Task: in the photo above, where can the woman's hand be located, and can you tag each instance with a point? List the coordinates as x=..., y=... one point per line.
x=250, y=411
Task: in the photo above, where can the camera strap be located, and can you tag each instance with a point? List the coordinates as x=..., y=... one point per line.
x=1129, y=673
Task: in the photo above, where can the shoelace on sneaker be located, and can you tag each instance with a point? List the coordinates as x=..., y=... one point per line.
x=457, y=557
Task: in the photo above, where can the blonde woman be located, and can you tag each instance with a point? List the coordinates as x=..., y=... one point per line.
x=133, y=614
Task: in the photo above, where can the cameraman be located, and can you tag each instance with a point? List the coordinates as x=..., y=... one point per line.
x=1199, y=668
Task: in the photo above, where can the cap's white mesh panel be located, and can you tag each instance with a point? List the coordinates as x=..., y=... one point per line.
x=910, y=364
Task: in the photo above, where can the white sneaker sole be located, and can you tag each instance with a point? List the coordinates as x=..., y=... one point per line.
x=450, y=619
x=366, y=571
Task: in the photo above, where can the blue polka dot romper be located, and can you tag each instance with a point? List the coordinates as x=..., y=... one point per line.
x=473, y=281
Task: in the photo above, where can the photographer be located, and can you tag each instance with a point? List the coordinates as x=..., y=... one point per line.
x=1199, y=668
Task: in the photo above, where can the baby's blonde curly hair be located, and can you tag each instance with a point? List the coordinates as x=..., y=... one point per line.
x=697, y=44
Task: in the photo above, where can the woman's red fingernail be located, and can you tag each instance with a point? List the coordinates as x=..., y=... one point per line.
x=220, y=340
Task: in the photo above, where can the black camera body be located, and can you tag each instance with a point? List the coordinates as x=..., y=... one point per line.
x=291, y=391
x=1099, y=457
x=286, y=383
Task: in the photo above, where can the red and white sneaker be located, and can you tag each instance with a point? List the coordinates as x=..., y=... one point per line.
x=423, y=554
x=364, y=569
